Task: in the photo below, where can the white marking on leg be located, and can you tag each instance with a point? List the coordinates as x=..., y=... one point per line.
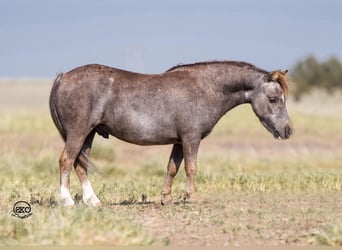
x=65, y=192
x=89, y=196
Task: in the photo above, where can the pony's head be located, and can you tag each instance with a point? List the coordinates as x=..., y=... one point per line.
x=269, y=104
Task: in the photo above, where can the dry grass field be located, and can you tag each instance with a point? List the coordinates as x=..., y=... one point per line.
x=252, y=189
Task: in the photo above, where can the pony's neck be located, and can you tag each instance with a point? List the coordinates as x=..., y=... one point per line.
x=238, y=88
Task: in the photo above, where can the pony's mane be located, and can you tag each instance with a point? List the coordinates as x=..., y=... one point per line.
x=232, y=63
x=283, y=82
x=281, y=75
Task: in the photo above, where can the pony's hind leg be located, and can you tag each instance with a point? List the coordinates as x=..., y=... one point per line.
x=65, y=165
x=67, y=159
x=89, y=197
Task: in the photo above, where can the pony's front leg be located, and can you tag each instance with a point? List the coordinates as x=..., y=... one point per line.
x=190, y=149
x=175, y=161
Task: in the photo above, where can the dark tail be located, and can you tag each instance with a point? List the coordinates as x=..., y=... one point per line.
x=82, y=158
x=53, y=110
x=86, y=162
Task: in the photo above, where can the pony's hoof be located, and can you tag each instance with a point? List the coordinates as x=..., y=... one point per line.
x=92, y=201
x=190, y=198
x=68, y=202
x=166, y=199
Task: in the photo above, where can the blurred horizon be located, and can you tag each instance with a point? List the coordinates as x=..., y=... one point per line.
x=42, y=38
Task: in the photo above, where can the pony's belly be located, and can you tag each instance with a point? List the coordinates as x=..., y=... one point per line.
x=143, y=130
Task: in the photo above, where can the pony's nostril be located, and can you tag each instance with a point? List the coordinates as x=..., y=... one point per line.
x=288, y=131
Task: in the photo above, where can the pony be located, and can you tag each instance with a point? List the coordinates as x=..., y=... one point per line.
x=180, y=107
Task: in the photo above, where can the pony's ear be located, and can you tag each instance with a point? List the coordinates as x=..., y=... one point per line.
x=285, y=72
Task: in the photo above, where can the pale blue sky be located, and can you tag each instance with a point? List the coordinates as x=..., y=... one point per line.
x=40, y=38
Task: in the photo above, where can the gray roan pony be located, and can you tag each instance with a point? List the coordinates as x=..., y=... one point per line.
x=180, y=107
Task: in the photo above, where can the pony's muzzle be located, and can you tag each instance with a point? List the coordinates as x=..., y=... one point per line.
x=285, y=134
x=288, y=131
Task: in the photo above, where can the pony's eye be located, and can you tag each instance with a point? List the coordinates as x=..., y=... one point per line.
x=273, y=99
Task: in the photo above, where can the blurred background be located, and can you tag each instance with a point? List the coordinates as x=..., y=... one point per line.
x=40, y=38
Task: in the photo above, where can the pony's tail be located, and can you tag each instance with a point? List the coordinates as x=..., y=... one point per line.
x=86, y=162
x=53, y=110
x=82, y=158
